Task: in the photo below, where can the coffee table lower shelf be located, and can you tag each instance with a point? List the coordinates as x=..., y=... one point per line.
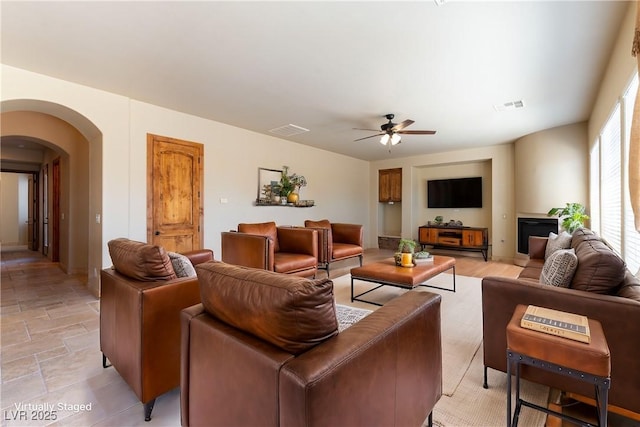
x=386, y=273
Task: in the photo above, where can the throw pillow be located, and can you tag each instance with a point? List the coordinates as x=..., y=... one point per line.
x=182, y=265
x=556, y=242
x=559, y=268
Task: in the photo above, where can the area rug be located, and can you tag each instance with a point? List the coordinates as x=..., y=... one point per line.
x=461, y=316
x=464, y=401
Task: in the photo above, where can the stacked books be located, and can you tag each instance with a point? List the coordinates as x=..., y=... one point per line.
x=423, y=260
x=555, y=322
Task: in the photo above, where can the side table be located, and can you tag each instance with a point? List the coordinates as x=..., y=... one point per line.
x=588, y=362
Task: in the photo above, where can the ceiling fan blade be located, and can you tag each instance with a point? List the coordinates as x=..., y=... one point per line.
x=370, y=130
x=367, y=137
x=402, y=125
x=417, y=132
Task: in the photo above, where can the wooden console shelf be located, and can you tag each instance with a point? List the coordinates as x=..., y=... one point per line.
x=458, y=238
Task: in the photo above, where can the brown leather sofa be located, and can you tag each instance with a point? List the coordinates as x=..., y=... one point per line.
x=337, y=242
x=266, y=246
x=140, y=303
x=601, y=288
x=263, y=349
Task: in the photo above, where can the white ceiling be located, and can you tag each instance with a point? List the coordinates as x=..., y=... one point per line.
x=333, y=66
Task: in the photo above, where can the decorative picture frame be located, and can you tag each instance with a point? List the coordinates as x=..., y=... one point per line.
x=267, y=177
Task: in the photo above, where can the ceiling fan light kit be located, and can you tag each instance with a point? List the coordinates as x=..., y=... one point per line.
x=390, y=134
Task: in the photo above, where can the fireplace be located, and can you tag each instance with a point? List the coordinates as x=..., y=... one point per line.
x=534, y=227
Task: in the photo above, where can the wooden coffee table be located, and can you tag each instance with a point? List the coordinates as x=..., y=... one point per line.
x=386, y=272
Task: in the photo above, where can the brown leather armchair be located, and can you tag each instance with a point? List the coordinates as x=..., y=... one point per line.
x=140, y=303
x=263, y=349
x=268, y=247
x=337, y=242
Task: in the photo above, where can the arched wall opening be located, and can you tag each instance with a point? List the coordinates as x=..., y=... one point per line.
x=79, y=143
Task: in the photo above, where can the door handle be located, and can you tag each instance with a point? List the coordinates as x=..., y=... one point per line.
x=157, y=233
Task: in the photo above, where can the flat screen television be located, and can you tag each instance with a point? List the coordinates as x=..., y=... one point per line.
x=455, y=193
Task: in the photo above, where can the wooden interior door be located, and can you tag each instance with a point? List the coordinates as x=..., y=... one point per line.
x=174, y=188
x=32, y=213
x=55, y=210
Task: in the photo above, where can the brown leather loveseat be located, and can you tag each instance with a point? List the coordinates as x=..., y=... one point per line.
x=140, y=303
x=266, y=246
x=337, y=241
x=263, y=349
x=601, y=288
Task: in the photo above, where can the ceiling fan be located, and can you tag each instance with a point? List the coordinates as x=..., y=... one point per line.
x=391, y=131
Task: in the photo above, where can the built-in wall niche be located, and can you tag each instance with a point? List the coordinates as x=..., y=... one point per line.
x=473, y=216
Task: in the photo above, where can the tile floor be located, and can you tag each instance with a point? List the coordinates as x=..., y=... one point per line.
x=51, y=356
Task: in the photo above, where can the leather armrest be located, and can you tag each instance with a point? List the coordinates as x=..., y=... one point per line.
x=324, y=245
x=352, y=234
x=248, y=250
x=298, y=240
x=185, y=317
x=397, y=347
x=537, y=247
x=199, y=256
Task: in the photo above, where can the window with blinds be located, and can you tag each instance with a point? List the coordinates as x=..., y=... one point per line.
x=611, y=182
x=630, y=236
x=611, y=214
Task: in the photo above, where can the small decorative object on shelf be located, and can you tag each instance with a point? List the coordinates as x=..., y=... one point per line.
x=277, y=187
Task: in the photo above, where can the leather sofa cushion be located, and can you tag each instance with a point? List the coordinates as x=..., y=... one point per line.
x=290, y=312
x=631, y=287
x=599, y=270
x=268, y=229
x=140, y=261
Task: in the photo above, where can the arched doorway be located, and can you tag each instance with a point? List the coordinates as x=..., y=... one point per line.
x=74, y=145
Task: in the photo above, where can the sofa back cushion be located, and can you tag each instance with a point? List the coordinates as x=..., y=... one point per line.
x=140, y=261
x=268, y=229
x=599, y=270
x=290, y=312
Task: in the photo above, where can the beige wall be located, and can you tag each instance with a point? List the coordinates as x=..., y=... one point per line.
x=72, y=149
x=493, y=163
x=344, y=189
x=116, y=129
x=551, y=169
x=13, y=209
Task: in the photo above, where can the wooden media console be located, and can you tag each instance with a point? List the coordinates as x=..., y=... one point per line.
x=458, y=238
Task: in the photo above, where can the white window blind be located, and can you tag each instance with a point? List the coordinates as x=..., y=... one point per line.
x=611, y=182
x=630, y=236
x=594, y=190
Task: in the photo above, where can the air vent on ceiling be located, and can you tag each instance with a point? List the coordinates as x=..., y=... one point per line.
x=507, y=106
x=289, y=130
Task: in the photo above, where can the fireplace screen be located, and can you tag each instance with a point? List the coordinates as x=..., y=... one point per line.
x=534, y=227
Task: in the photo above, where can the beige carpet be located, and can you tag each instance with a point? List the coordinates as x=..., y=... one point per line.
x=464, y=402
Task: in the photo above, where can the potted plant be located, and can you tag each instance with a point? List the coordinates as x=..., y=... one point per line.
x=572, y=216
x=405, y=246
x=290, y=185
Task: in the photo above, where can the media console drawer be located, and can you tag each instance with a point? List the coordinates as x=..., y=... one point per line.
x=449, y=241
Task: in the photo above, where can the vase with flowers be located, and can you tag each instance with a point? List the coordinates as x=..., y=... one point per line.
x=290, y=185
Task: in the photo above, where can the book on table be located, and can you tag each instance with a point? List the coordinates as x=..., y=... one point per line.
x=555, y=322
